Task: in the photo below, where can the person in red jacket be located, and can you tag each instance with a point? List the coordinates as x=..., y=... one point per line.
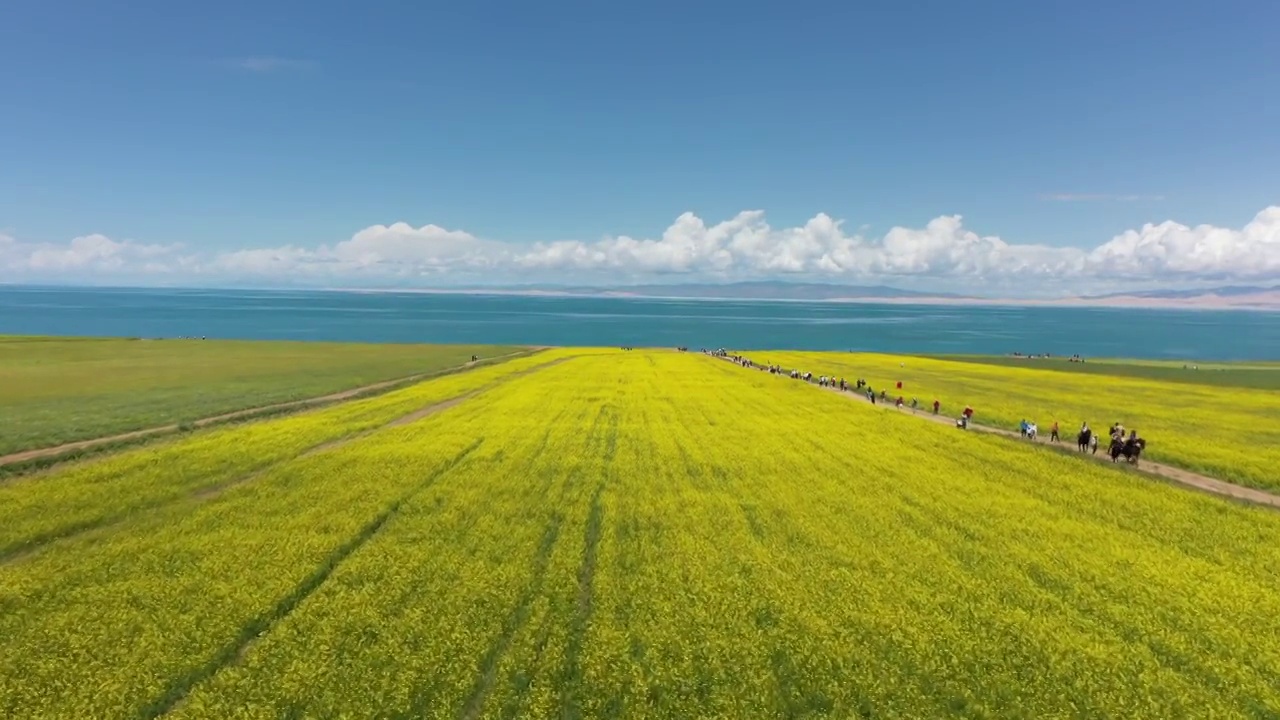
x=936, y=406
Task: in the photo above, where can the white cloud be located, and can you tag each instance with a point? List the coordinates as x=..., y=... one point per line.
x=399, y=250
x=1203, y=251
x=943, y=252
x=86, y=254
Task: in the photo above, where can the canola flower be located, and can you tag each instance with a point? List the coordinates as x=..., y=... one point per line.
x=39, y=508
x=1228, y=433
x=650, y=534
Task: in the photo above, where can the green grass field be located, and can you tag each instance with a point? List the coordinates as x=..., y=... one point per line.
x=1231, y=433
x=54, y=391
x=1255, y=375
x=606, y=534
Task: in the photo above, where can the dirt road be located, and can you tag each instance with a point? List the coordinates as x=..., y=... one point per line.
x=71, y=447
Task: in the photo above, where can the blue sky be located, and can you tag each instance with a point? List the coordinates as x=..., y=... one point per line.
x=237, y=126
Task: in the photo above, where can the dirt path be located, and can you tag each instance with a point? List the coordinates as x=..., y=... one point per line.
x=71, y=447
x=1166, y=472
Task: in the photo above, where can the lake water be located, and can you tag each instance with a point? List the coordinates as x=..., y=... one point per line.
x=409, y=317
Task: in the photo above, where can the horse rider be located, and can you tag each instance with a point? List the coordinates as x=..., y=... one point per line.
x=1084, y=438
x=1131, y=443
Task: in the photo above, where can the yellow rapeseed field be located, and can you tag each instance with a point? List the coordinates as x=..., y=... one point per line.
x=85, y=495
x=652, y=534
x=1228, y=433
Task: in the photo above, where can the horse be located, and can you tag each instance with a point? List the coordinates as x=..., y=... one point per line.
x=1130, y=449
x=1082, y=440
x=1133, y=448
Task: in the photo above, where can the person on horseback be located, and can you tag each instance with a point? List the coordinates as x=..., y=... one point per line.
x=1084, y=438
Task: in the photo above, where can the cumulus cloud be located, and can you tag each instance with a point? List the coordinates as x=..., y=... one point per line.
x=87, y=254
x=1172, y=249
x=398, y=250
x=743, y=247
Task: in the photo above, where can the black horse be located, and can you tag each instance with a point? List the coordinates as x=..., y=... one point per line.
x=1130, y=449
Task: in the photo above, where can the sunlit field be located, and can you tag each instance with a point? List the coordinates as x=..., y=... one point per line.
x=597, y=533
x=59, y=390
x=1226, y=432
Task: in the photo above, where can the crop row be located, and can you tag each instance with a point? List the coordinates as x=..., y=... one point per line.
x=650, y=534
x=465, y=603
x=123, y=624
x=1230, y=433
x=39, y=508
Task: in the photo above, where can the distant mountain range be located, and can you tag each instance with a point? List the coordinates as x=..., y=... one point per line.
x=756, y=290
x=1238, y=297
x=1222, y=292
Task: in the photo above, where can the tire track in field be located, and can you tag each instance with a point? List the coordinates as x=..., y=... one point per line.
x=259, y=626
x=515, y=622
x=1160, y=471
x=570, y=700
x=519, y=617
x=71, y=448
x=211, y=492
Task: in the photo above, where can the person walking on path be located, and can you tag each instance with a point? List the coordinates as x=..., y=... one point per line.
x=936, y=406
x=1053, y=432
